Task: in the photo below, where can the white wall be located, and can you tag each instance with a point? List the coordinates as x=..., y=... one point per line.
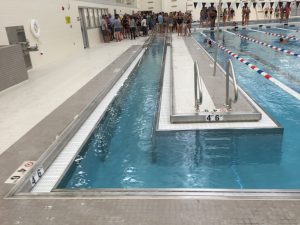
x=58, y=40
x=181, y=5
x=154, y=5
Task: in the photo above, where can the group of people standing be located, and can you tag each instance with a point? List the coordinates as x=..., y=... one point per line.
x=175, y=21
x=208, y=15
x=126, y=27
x=282, y=12
x=228, y=15
x=139, y=24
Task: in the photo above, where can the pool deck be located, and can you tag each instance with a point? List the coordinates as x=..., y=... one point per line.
x=183, y=54
x=34, y=112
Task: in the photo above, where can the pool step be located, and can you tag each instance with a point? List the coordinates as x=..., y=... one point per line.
x=220, y=143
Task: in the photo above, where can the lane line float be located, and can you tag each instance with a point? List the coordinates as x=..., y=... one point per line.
x=288, y=52
x=283, y=36
x=258, y=70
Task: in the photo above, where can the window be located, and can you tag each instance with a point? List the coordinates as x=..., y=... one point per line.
x=97, y=18
x=100, y=14
x=92, y=18
x=86, y=18
x=105, y=12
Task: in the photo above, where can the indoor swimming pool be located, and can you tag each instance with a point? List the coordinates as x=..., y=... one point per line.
x=126, y=152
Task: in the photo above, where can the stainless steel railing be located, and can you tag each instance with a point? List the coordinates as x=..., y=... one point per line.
x=197, y=87
x=230, y=72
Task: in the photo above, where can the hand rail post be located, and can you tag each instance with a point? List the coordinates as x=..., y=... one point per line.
x=230, y=72
x=197, y=87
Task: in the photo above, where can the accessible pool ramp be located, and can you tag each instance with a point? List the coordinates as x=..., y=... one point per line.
x=193, y=97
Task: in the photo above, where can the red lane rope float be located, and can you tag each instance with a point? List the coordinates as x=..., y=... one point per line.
x=242, y=60
x=255, y=68
x=292, y=37
x=289, y=52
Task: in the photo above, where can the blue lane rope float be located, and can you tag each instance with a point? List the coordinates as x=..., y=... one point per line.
x=258, y=70
x=289, y=52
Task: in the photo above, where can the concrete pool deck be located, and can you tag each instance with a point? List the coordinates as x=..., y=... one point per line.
x=128, y=210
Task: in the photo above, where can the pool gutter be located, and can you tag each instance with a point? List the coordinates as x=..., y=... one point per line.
x=55, y=149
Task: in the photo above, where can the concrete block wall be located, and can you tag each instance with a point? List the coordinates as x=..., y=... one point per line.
x=12, y=66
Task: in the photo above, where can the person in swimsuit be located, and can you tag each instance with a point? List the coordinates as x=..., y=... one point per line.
x=212, y=15
x=179, y=24
x=245, y=14
x=284, y=40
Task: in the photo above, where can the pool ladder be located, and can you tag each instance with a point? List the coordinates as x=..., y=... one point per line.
x=230, y=73
x=197, y=87
x=198, y=90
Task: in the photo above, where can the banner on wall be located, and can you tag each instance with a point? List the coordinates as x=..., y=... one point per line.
x=254, y=5
x=228, y=4
x=263, y=5
x=237, y=5
x=297, y=3
x=195, y=4
x=271, y=4
x=203, y=4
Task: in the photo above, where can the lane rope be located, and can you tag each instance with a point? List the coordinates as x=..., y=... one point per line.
x=292, y=37
x=255, y=68
x=288, y=52
x=285, y=29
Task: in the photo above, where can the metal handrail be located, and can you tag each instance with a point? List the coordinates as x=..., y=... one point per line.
x=230, y=72
x=197, y=87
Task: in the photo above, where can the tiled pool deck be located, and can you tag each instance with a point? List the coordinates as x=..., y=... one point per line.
x=42, y=131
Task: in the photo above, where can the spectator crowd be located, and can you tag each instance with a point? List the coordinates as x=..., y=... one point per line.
x=139, y=24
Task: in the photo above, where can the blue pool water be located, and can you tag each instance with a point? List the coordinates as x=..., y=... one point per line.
x=125, y=152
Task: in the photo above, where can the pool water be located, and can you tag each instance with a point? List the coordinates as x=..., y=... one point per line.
x=126, y=152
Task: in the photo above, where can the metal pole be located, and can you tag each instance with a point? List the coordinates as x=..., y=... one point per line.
x=227, y=85
x=217, y=40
